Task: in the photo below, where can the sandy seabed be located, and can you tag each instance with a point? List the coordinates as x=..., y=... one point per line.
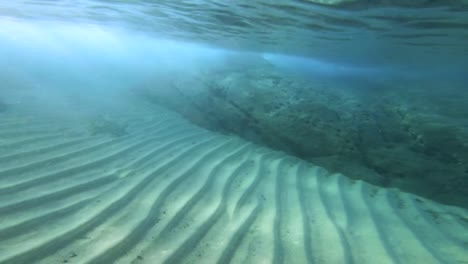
x=167, y=191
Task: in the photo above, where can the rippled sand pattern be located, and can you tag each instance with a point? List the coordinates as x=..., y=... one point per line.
x=170, y=192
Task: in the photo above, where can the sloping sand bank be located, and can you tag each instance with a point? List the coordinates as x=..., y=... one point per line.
x=166, y=191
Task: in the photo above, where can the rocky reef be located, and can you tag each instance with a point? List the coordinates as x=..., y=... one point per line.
x=385, y=133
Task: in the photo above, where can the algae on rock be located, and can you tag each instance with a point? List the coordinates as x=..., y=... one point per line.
x=363, y=132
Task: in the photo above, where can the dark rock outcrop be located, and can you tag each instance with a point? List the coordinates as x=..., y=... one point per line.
x=366, y=132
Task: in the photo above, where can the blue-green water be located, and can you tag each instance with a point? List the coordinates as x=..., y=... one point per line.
x=373, y=90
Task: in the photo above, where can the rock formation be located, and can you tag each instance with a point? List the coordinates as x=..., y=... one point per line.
x=390, y=136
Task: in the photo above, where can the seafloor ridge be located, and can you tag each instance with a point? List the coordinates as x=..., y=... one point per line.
x=166, y=191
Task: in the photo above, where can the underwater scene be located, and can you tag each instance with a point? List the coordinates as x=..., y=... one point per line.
x=250, y=131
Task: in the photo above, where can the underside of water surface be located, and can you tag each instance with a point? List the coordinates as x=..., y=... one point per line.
x=302, y=131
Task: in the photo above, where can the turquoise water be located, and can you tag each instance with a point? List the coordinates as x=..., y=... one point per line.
x=101, y=98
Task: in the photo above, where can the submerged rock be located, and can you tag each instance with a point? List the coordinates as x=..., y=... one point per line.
x=351, y=128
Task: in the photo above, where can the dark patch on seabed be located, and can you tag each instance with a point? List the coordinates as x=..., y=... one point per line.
x=3, y=106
